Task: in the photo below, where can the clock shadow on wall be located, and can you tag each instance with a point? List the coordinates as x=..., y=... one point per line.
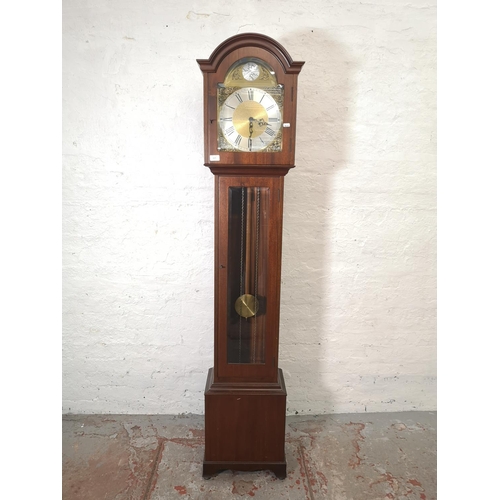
x=307, y=353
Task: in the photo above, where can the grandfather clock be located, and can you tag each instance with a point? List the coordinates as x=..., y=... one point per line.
x=250, y=103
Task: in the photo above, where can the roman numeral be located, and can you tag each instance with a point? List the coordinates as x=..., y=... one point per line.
x=230, y=131
x=273, y=120
x=269, y=131
x=238, y=97
x=270, y=107
x=238, y=140
x=226, y=104
x=250, y=94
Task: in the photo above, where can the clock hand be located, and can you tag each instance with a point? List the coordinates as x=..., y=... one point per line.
x=251, y=120
x=260, y=122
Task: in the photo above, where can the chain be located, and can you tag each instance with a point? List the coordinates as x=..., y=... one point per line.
x=241, y=263
x=257, y=231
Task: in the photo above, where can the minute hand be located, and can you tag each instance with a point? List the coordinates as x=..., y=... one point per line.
x=260, y=122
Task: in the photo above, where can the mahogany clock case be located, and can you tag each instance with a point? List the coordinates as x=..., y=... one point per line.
x=245, y=394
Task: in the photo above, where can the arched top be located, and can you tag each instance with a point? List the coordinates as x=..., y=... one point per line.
x=242, y=40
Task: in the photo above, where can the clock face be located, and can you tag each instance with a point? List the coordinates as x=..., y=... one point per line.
x=250, y=119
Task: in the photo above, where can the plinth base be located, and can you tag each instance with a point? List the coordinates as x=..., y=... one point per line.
x=245, y=427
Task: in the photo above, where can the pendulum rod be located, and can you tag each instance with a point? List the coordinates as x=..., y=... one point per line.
x=248, y=241
x=242, y=252
x=250, y=276
x=250, y=236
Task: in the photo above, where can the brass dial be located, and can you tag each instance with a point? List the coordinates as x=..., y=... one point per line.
x=250, y=119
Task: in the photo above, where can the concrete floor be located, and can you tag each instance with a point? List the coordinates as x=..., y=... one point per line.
x=338, y=457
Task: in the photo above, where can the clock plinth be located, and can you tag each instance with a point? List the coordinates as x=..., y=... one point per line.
x=245, y=427
x=250, y=103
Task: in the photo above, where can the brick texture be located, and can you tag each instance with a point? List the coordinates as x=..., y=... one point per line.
x=358, y=316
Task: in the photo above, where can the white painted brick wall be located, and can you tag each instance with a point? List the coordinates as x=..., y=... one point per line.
x=358, y=316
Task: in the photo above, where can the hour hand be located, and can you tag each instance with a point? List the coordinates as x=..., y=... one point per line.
x=260, y=122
